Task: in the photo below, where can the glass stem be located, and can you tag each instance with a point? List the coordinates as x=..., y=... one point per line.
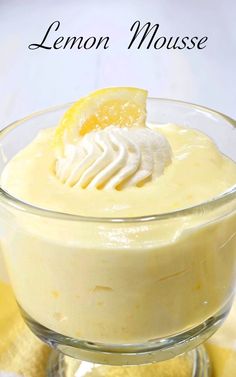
x=191, y=364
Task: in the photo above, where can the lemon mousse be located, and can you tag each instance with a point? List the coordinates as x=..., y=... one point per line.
x=129, y=280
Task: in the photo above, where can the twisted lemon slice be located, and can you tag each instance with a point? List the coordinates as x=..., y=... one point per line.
x=120, y=106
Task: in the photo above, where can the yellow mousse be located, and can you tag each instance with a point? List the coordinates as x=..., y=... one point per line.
x=123, y=282
x=198, y=173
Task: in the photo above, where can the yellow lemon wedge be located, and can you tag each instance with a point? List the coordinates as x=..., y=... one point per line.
x=120, y=106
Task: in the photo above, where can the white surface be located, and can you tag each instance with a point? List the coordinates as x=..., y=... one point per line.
x=32, y=80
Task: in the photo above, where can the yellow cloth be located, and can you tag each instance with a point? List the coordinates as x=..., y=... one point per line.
x=23, y=355
x=21, y=352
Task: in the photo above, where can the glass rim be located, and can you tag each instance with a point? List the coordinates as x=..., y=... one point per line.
x=44, y=212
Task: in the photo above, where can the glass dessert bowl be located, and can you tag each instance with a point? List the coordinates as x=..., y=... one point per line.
x=123, y=290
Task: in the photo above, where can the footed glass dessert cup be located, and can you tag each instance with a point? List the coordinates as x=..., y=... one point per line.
x=122, y=291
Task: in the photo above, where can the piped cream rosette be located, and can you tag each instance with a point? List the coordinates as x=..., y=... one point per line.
x=103, y=142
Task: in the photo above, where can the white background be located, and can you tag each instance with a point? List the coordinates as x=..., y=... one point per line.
x=33, y=80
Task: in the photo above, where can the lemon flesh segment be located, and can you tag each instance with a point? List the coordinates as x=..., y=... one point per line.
x=123, y=107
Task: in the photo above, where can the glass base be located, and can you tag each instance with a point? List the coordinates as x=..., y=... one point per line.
x=191, y=364
x=134, y=354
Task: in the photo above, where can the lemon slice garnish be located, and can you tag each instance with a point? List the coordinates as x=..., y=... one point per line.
x=120, y=106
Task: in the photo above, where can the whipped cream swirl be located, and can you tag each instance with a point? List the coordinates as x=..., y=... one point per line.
x=114, y=158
